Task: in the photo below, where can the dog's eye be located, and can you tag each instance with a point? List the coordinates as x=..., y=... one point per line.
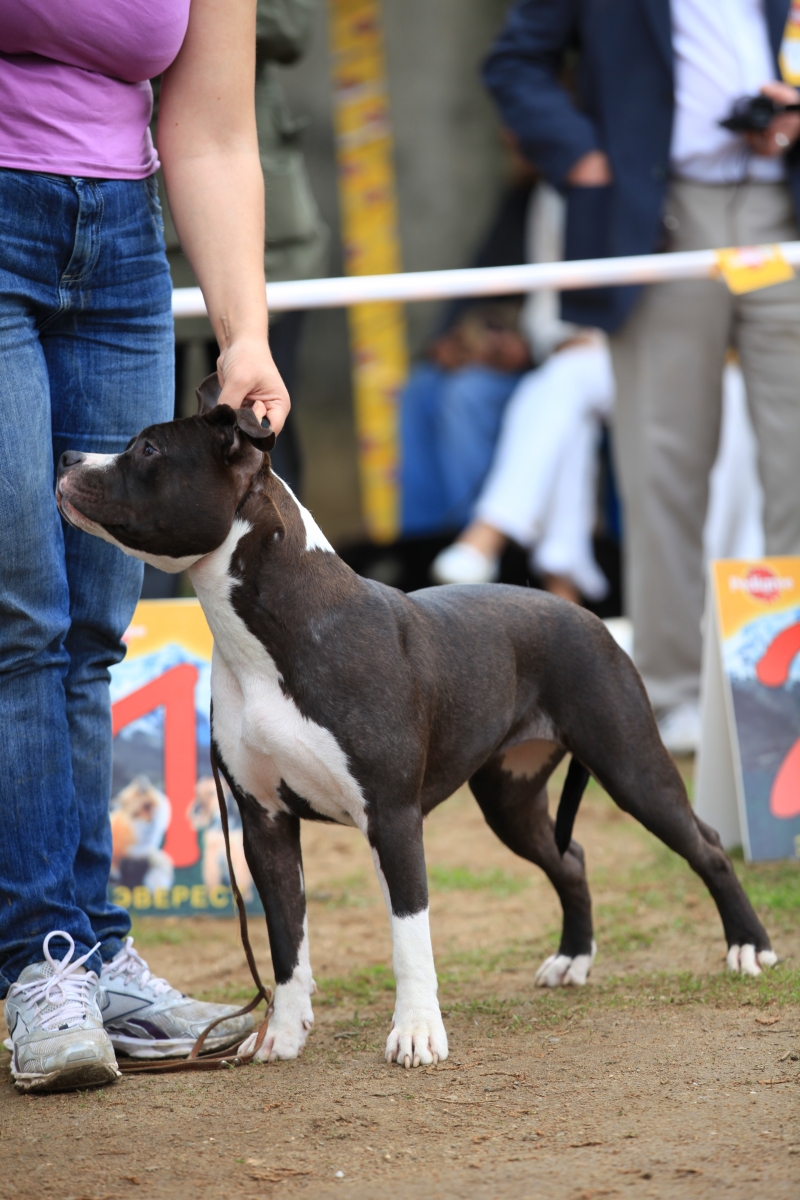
x=149, y=450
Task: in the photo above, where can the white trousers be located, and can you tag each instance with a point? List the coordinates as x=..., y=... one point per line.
x=541, y=489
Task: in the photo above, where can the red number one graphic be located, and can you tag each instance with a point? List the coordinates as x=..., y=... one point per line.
x=175, y=691
x=773, y=671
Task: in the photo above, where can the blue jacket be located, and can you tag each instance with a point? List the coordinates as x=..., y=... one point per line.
x=625, y=85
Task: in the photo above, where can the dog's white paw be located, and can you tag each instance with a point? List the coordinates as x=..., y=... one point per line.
x=280, y=1043
x=745, y=961
x=559, y=970
x=289, y=1025
x=417, y=1039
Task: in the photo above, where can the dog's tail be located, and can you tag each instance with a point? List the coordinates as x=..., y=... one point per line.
x=574, y=784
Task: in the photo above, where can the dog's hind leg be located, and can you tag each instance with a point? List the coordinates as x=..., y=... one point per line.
x=515, y=807
x=618, y=741
x=418, y=1035
x=652, y=791
x=272, y=849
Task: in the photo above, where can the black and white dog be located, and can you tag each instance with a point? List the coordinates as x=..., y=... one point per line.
x=336, y=698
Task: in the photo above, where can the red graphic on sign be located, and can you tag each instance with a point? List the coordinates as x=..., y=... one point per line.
x=762, y=584
x=773, y=671
x=174, y=690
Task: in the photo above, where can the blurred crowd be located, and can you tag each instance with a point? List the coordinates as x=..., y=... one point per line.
x=658, y=426
x=617, y=113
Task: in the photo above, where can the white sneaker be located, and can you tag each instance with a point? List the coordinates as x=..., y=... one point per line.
x=55, y=1026
x=146, y=1017
x=680, y=728
x=462, y=563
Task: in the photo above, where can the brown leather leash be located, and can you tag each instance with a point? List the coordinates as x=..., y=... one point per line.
x=216, y=1060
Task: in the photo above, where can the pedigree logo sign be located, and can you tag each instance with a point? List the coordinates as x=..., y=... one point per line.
x=762, y=583
x=758, y=623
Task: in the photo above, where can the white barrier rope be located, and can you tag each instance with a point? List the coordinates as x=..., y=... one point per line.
x=480, y=281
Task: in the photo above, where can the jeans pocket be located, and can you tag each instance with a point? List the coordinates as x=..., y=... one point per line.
x=151, y=189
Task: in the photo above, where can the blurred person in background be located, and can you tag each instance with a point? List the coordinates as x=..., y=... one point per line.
x=450, y=414
x=645, y=165
x=453, y=402
x=541, y=489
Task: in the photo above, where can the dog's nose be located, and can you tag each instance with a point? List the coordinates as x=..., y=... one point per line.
x=70, y=458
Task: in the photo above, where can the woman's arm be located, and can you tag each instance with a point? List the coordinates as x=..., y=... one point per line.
x=209, y=152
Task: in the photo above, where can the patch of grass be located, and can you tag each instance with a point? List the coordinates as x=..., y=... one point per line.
x=781, y=985
x=654, y=879
x=162, y=931
x=233, y=993
x=621, y=937
x=465, y=965
x=773, y=888
x=363, y=988
x=547, y=1008
x=521, y=1014
x=484, y=1006
x=359, y=1032
x=461, y=879
x=343, y=894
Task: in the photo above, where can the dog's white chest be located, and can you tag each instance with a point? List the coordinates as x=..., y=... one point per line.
x=262, y=735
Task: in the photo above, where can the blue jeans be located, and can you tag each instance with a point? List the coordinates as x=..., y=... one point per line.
x=449, y=424
x=86, y=360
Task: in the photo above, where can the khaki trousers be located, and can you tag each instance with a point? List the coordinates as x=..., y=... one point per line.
x=668, y=362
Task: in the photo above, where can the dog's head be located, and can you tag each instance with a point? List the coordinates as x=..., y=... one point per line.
x=171, y=497
x=140, y=800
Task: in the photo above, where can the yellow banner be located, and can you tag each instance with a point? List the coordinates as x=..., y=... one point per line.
x=371, y=247
x=789, y=57
x=748, y=268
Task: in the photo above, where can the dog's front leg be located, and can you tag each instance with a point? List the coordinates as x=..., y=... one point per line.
x=272, y=850
x=418, y=1035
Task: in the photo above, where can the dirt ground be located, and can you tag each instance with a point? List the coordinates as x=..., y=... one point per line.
x=663, y=1077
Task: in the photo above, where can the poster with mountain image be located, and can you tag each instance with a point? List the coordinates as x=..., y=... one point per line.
x=168, y=855
x=751, y=684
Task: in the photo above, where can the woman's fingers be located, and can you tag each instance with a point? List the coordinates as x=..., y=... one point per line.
x=250, y=378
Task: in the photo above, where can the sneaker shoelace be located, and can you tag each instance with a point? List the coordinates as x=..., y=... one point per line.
x=130, y=966
x=65, y=990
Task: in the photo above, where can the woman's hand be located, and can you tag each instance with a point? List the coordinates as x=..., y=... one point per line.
x=250, y=379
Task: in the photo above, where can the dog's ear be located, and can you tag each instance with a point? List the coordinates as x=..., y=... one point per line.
x=239, y=425
x=258, y=434
x=207, y=394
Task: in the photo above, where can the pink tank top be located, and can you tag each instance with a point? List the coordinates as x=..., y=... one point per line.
x=75, y=97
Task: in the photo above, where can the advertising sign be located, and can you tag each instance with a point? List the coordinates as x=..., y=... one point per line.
x=168, y=847
x=748, y=769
